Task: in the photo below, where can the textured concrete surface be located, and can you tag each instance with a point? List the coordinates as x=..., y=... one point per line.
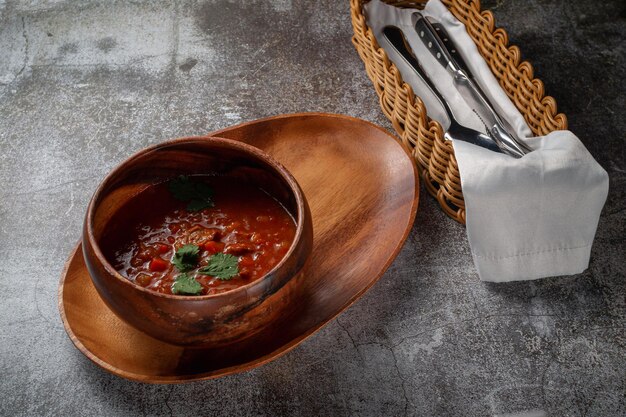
x=85, y=84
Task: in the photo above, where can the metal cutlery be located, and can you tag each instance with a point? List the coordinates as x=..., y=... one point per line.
x=440, y=45
x=455, y=129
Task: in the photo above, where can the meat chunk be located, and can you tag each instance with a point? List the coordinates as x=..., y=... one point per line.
x=238, y=249
x=201, y=235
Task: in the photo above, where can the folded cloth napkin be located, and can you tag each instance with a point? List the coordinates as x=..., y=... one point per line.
x=527, y=218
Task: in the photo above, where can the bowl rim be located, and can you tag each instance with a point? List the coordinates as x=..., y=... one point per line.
x=231, y=144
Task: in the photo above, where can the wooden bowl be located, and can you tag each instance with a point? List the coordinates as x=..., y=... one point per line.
x=208, y=320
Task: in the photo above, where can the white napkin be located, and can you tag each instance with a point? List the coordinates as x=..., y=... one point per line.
x=527, y=218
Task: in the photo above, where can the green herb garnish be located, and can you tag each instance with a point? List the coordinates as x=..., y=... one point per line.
x=197, y=194
x=221, y=266
x=186, y=258
x=186, y=284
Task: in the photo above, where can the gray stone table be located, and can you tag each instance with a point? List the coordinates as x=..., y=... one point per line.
x=85, y=84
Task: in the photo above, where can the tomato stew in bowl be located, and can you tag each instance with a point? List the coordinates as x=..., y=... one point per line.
x=193, y=241
x=199, y=235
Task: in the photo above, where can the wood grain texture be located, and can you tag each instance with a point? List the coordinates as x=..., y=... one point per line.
x=362, y=189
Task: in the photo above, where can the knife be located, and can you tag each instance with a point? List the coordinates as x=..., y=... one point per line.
x=441, y=46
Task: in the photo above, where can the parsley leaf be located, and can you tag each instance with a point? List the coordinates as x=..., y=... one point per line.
x=186, y=258
x=187, y=285
x=199, y=195
x=221, y=266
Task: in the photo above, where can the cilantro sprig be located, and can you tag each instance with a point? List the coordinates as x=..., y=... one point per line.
x=186, y=258
x=197, y=194
x=221, y=266
x=186, y=284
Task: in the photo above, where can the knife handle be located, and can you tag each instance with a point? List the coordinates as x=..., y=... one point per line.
x=450, y=46
x=428, y=35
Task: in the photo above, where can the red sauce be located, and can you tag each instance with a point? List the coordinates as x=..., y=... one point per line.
x=245, y=222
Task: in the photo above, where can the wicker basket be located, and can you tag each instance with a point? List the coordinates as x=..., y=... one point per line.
x=434, y=156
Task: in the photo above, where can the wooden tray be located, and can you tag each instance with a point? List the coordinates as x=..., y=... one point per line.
x=363, y=191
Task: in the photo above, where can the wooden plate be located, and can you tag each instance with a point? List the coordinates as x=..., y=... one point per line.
x=362, y=187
